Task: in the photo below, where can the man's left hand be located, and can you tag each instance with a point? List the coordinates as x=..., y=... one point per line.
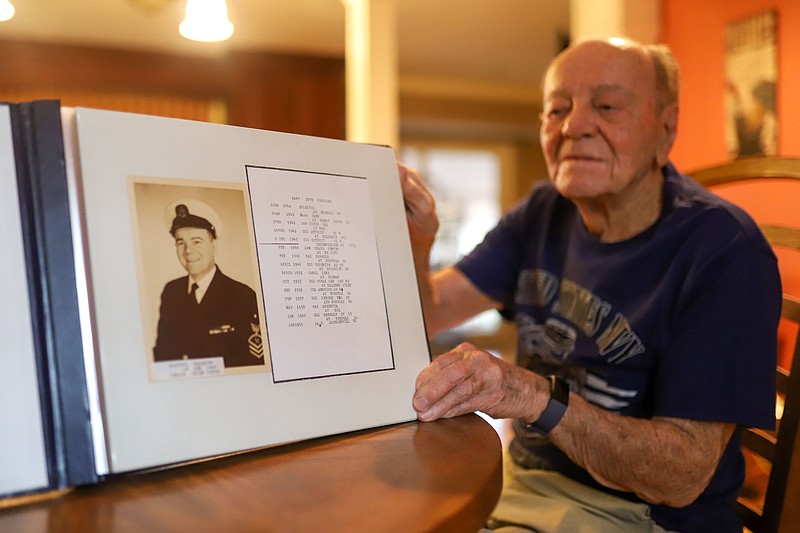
x=467, y=379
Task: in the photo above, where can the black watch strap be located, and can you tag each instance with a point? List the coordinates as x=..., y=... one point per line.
x=556, y=407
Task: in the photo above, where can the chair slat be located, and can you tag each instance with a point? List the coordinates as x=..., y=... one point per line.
x=790, y=309
x=748, y=169
x=782, y=236
x=760, y=442
x=782, y=380
x=750, y=516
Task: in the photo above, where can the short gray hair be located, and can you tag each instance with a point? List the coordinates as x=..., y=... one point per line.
x=667, y=74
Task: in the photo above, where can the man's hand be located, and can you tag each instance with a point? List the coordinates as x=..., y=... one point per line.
x=467, y=379
x=420, y=207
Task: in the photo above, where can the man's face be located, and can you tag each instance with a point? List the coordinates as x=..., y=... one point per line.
x=196, y=250
x=601, y=131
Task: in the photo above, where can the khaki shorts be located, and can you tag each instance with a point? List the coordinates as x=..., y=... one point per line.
x=542, y=501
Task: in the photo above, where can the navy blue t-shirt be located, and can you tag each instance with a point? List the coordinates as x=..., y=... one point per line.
x=678, y=321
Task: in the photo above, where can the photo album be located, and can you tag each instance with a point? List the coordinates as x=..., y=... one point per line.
x=181, y=290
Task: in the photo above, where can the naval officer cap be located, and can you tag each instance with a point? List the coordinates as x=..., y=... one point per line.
x=184, y=218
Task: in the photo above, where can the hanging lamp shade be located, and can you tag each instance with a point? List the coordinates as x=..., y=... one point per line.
x=206, y=20
x=6, y=10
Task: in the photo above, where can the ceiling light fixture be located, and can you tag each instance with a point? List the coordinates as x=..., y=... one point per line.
x=206, y=21
x=6, y=10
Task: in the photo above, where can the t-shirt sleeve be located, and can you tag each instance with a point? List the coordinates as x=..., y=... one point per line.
x=720, y=362
x=493, y=266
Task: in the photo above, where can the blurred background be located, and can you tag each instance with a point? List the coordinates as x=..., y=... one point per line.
x=454, y=85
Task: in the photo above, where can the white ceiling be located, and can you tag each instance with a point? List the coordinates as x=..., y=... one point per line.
x=500, y=42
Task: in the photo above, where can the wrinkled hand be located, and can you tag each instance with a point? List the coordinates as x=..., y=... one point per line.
x=420, y=206
x=467, y=379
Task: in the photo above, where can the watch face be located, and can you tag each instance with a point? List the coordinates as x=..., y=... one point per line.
x=556, y=407
x=559, y=390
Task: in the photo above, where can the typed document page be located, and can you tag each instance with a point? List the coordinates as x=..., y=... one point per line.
x=320, y=274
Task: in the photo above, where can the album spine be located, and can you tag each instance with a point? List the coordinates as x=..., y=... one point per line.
x=45, y=210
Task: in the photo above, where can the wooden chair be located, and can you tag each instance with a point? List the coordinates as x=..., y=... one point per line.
x=780, y=511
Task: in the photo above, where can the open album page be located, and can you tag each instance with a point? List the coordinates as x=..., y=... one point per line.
x=247, y=288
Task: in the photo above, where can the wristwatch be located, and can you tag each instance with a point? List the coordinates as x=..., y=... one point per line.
x=556, y=407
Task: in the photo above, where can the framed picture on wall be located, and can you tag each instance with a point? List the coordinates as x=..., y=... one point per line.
x=751, y=73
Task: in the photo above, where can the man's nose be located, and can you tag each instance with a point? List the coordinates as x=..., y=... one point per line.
x=580, y=122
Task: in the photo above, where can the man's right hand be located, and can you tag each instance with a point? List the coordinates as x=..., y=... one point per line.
x=420, y=207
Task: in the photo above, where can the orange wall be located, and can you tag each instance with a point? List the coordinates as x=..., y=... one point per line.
x=695, y=30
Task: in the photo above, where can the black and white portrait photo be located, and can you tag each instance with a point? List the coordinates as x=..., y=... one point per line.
x=199, y=271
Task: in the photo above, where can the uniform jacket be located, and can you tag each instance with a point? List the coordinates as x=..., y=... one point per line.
x=224, y=324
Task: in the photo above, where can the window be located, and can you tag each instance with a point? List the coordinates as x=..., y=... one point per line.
x=466, y=182
x=466, y=186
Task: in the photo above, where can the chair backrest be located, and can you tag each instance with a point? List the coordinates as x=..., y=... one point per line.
x=780, y=511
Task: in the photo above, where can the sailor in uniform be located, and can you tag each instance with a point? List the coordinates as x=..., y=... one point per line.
x=205, y=313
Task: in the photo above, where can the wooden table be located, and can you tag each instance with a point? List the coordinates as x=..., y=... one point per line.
x=440, y=476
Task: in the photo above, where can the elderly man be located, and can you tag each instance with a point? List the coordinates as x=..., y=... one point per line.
x=646, y=311
x=205, y=313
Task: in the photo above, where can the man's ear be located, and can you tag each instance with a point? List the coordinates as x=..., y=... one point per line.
x=669, y=130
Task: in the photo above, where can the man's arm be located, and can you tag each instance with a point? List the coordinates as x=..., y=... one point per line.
x=448, y=297
x=664, y=460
